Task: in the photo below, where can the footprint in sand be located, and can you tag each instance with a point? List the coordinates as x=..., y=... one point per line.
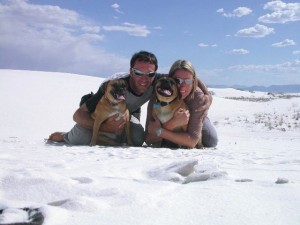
x=83, y=180
x=186, y=172
x=82, y=204
x=281, y=180
x=243, y=180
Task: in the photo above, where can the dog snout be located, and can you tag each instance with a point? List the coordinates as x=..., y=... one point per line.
x=167, y=84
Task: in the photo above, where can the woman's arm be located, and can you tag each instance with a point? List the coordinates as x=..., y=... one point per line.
x=206, y=99
x=153, y=125
x=190, y=138
x=180, y=138
x=180, y=118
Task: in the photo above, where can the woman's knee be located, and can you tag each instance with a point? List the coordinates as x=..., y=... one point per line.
x=209, y=134
x=210, y=141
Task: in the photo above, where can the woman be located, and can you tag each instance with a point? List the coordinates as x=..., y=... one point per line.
x=198, y=125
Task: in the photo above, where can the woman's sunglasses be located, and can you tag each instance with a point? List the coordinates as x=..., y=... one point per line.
x=140, y=73
x=186, y=81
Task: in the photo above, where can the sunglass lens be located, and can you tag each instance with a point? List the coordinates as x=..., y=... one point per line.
x=137, y=72
x=140, y=73
x=189, y=81
x=178, y=80
x=151, y=74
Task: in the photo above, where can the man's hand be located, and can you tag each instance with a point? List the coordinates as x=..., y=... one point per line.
x=114, y=124
x=153, y=126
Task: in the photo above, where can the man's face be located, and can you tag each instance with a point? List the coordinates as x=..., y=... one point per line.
x=140, y=83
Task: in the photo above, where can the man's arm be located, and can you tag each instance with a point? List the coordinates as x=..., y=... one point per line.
x=110, y=125
x=83, y=117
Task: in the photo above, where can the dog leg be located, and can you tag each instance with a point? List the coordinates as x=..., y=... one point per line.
x=128, y=130
x=128, y=133
x=96, y=127
x=199, y=144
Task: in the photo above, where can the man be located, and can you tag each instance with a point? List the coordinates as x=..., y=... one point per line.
x=143, y=67
x=142, y=73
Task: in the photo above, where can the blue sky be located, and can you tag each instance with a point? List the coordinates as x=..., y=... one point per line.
x=228, y=41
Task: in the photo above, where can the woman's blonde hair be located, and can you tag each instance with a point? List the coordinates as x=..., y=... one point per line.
x=187, y=66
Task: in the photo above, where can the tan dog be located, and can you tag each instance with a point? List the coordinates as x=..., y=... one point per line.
x=168, y=102
x=112, y=102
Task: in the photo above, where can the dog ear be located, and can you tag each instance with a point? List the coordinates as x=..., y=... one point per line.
x=85, y=98
x=104, y=85
x=126, y=84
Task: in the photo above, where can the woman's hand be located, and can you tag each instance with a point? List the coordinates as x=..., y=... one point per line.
x=180, y=118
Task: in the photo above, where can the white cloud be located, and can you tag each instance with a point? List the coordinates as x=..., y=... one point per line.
x=284, y=43
x=203, y=45
x=116, y=7
x=296, y=52
x=91, y=29
x=258, y=31
x=283, y=68
x=239, y=51
x=282, y=12
x=90, y=37
x=238, y=12
x=45, y=37
x=221, y=10
x=241, y=11
x=131, y=29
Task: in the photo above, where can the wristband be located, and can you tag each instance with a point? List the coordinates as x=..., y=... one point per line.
x=158, y=132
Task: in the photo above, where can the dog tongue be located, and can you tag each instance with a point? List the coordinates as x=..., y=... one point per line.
x=121, y=97
x=167, y=92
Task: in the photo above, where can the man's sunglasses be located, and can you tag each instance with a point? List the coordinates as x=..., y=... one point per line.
x=186, y=81
x=140, y=73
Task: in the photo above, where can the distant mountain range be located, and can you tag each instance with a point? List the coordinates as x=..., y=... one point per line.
x=292, y=88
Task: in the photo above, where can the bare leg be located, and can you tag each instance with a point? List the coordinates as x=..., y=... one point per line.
x=57, y=136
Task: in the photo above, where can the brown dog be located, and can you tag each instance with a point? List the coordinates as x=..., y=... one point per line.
x=168, y=102
x=112, y=102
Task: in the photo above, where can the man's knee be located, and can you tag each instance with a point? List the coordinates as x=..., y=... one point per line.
x=82, y=136
x=78, y=136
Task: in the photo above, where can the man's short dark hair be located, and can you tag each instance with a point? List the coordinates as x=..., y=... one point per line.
x=144, y=56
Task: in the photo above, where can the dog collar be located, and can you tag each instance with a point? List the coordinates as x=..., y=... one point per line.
x=160, y=104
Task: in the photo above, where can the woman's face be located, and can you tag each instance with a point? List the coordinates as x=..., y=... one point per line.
x=184, y=80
